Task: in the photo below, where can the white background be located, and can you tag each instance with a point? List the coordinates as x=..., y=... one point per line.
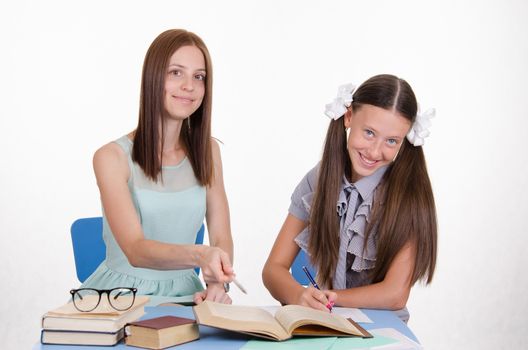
x=69, y=83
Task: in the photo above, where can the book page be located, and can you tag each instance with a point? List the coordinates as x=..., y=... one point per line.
x=239, y=318
x=271, y=309
x=241, y=313
x=293, y=316
x=347, y=312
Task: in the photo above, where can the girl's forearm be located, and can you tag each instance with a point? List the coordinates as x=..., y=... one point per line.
x=281, y=284
x=375, y=296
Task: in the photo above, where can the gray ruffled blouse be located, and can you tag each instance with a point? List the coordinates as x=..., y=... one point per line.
x=353, y=207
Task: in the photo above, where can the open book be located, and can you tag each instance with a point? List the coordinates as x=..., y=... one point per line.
x=289, y=321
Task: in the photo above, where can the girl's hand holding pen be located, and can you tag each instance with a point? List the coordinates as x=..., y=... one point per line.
x=322, y=300
x=327, y=298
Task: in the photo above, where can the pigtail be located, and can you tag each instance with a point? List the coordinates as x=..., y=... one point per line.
x=408, y=215
x=323, y=245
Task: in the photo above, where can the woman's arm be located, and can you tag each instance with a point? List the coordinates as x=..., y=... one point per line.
x=276, y=274
x=112, y=173
x=391, y=293
x=217, y=214
x=218, y=226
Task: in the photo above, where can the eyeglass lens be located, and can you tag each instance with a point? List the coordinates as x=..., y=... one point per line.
x=121, y=298
x=86, y=299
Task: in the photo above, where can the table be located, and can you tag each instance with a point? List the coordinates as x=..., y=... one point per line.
x=212, y=338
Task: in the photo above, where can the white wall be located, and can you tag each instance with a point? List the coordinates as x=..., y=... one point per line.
x=69, y=82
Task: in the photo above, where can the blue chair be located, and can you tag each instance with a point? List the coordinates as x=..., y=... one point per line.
x=89, y=249
x=297, y=271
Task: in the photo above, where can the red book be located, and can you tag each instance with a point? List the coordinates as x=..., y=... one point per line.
x=161, y=332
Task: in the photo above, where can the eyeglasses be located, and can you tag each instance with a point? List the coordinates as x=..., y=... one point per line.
x=87, y=299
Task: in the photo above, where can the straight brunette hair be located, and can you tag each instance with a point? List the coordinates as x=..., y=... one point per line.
x=403, y=210
x=196, y=135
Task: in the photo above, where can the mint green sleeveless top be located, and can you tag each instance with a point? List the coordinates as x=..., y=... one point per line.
x=171, y=210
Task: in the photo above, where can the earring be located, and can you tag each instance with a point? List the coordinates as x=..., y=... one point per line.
x=189, y=123
x=347, y=132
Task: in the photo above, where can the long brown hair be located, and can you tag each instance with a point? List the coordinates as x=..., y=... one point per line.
x=404, y=209
x=196, y=131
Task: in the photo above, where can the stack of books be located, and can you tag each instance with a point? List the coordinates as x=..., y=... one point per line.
x=102, y=326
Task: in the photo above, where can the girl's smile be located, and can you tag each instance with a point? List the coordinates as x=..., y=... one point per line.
x=366, y=161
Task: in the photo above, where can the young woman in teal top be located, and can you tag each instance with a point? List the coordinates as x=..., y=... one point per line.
x=365, y=215
x=160, y=181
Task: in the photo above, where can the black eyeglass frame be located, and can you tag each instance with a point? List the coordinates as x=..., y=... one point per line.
x=101, y=292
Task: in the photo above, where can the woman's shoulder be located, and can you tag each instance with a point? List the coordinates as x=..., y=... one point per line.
x=110, y=150
x=119, y=147
x=111, y=155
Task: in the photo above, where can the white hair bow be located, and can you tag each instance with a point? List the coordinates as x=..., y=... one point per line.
x=337, y=108
x=420, y=128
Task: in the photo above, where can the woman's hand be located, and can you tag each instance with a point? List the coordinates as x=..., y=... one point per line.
x=317, y=299
x=216, y=266
x=214, y=292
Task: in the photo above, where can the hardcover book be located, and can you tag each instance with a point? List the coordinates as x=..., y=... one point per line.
x=161, y=332
x=81, y=338
x=102, y=319
x=289, y=321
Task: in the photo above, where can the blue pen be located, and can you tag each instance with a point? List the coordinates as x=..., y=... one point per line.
x=312, y=281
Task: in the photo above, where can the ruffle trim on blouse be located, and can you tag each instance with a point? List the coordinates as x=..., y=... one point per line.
x=105, y=278
x=365, y=259
x=303, y=238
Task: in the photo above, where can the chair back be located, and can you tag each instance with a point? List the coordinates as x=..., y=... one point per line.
x=89, y=249
x=297, y=271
